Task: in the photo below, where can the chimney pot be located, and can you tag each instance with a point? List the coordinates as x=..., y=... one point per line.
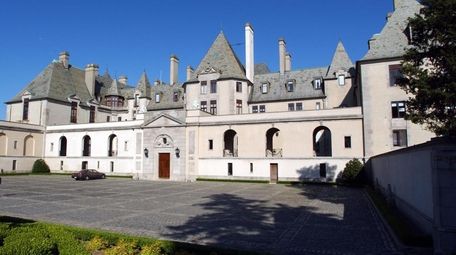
x=287, y=62
x=174, y=69
x=282, y=52
x=189, y=72
x=91, y=73
x=123, y=80
x=64, y=58
x=249, y=56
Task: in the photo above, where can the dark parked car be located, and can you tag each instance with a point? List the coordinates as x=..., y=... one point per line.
x=86, y=174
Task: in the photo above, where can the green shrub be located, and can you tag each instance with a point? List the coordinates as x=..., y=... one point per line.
x=95, y=244
x=4, y=231
x=67, y=243
x=123, y=247
x=351, y=171
x=152, y=249
x=28, y=241
x=40, y=166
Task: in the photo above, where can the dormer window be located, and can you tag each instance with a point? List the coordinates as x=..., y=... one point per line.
x=317, y=83
x=157, y=97
x=25, y=109
x=290, y=86
x=175, y=96
x=341, y=80
x=203, y=88
x=264, y=88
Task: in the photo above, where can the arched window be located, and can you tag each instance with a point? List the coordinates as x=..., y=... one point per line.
x=3, y=144
x=86, y=146
x=112, y=145
x=63, y=146
x=273, y=143
x=322, y=142
x=29, y=146
x=231, y=143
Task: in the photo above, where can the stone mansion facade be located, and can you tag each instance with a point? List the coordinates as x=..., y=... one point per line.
x=228, y=120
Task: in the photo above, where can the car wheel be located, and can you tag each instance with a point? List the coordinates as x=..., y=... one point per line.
x=103, y=176
x=87, y=178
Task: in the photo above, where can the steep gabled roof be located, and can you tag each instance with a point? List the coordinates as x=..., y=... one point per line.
x=221, y=58
x=144, y=85
x=58, y=83
x=340, y=61
x=113, y=90
x=392, y=41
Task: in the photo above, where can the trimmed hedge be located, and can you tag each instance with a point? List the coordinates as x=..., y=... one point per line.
x=40, y=167
x=28, y=241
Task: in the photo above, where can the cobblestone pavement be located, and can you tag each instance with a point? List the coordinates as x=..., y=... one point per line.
x=281, y=219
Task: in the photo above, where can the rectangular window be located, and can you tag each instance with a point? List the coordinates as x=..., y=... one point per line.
x=61, y=164
x=341, y=80
x=211, y=144
x=298, y=106
x=255, y=109
x=230, y=169
x=238, y=106
x=203, y=87
x=290, y=86
x=92, y=114
x=119, y=119
x=15, y=144
x=126, y=146
x=213, y=86
x=74, y=112
x=238, y=86
x=398, y=109
x=175, y=96
x=84, y=164
x=14, y=164
x=264, y=88
x=251, y=168
x=52, y=146
x=291, y=107
x=348, y=141
x=157, y=97
x=25, y=109
x=203, y=106
x=317, y=84
x=262, y=108
x=136, y=100
x=323, y=170
x=108, y=118
x=317, y=106
x=98, y=164
x=112, y=166
x=400, y=137
x=394, y=74
x=213, y=107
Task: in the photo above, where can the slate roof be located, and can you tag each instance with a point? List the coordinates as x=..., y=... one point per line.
x=392, y=42
x=113, y=89
x=303, y=87
x=261, y=68
x=166, y=97
x=143, y=85
x=222, y=58
x=58, y=83
x=340, y=61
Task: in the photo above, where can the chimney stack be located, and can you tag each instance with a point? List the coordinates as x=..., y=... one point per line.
x=64, y=58
x=157, y=82
x=174, y=69
x=249, y=58
x=282, y=52
x=189, y=72
x=123, y=80
x=287, y=62
x=91, y=73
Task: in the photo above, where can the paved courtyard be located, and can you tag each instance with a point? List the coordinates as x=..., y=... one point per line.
x=309, y=219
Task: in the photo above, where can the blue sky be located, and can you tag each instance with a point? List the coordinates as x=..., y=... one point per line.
x=128, y=37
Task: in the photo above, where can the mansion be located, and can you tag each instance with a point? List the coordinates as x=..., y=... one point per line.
x=227, y=120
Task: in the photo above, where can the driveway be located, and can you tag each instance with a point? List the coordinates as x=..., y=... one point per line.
x=309, y=219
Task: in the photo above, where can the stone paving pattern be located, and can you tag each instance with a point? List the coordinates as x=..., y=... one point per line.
x=280, y=219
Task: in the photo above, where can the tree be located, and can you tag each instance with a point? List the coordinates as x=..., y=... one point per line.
x=429, y=67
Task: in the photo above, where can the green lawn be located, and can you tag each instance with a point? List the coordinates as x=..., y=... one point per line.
x=26, y=237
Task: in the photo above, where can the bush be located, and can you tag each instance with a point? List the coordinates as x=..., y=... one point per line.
x=40, y=166
x=351, y=171
x=28, y=241
x=95, y=244
x=123, y=247
x=152, y=249
x=66, y=241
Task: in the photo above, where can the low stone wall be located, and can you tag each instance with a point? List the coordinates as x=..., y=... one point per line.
x=421, y=182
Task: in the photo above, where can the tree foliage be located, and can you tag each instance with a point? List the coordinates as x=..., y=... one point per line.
x=429, y=67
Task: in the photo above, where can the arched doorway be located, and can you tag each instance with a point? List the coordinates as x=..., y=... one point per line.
x=273, y=143
x=86, y=146
x=230, y=139
x=63, y=146
x=322, y=142
x=29, y=146
x=112, y=145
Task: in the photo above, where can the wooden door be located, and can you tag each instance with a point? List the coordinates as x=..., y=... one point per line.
x=274, y=169
x=163, y=165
